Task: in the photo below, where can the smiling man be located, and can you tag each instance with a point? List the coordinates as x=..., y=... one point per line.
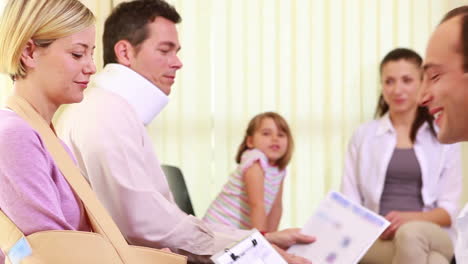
x=445, y=93
x=107, y=134
x=445, y=83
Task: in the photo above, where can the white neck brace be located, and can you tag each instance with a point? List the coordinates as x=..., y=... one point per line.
x=146, y=99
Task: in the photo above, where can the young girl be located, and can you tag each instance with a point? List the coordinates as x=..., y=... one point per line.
x=252, y=196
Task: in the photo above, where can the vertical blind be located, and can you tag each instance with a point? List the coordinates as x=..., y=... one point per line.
x=313, y=61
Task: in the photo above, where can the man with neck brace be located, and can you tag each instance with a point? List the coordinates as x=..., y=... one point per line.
x=107, y=134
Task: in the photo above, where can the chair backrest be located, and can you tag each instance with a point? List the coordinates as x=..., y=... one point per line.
x=179, y=190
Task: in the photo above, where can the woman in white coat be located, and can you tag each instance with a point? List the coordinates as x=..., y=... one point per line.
x=396, y=167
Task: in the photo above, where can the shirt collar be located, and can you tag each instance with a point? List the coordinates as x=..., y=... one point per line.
x=385, y=125
x=146, y=99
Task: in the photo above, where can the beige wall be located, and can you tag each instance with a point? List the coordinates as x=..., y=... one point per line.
x=313, y=61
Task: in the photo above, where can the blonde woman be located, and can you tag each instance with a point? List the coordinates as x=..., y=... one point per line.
x=46, y=46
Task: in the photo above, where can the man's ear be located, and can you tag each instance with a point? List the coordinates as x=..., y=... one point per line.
x=29, y=54
x=124, y=52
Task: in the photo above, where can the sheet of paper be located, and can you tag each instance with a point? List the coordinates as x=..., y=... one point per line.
x=254, y=249
x=344, y=231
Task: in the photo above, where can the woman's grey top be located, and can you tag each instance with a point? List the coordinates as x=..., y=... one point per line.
x=403, y=182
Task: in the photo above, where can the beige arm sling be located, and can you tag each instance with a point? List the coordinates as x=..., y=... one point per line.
x=106, y=245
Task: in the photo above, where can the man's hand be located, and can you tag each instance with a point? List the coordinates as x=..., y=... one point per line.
x=397, y=219
x=282, y=240
x=290, y=258
x=288, y=237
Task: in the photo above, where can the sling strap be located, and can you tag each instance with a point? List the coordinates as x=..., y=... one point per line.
x=101, y=221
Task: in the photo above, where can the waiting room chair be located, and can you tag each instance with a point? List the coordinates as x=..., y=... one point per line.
x=179, y=190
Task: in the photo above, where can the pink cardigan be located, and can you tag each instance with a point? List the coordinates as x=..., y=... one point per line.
x=33, y=192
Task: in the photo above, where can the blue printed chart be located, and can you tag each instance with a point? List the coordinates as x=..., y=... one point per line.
x=344, y=231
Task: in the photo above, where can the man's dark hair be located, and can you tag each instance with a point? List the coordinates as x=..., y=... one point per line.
x=129, y=21
x=422, y=113
x=463, y=47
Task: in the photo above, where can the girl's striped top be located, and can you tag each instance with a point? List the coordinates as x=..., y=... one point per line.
x=230, y=206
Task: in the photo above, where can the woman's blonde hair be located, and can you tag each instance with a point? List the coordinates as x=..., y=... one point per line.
x=41, y=21
x=282, y=125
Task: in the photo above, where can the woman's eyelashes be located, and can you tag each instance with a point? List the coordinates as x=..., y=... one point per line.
x=77, y=55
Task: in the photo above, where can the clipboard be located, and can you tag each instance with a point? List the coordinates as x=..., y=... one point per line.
x=254, y=249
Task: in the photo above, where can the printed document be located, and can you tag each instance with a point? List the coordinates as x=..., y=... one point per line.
x=344, y=231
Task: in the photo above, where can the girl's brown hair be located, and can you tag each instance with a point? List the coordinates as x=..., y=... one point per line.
x=281, y=123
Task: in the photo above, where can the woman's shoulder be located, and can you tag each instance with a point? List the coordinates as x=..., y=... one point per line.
x=369, y=133
x=368, y=128
x=371, y=125
x=15, y=132
x=427, y=139
x=12, y=124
